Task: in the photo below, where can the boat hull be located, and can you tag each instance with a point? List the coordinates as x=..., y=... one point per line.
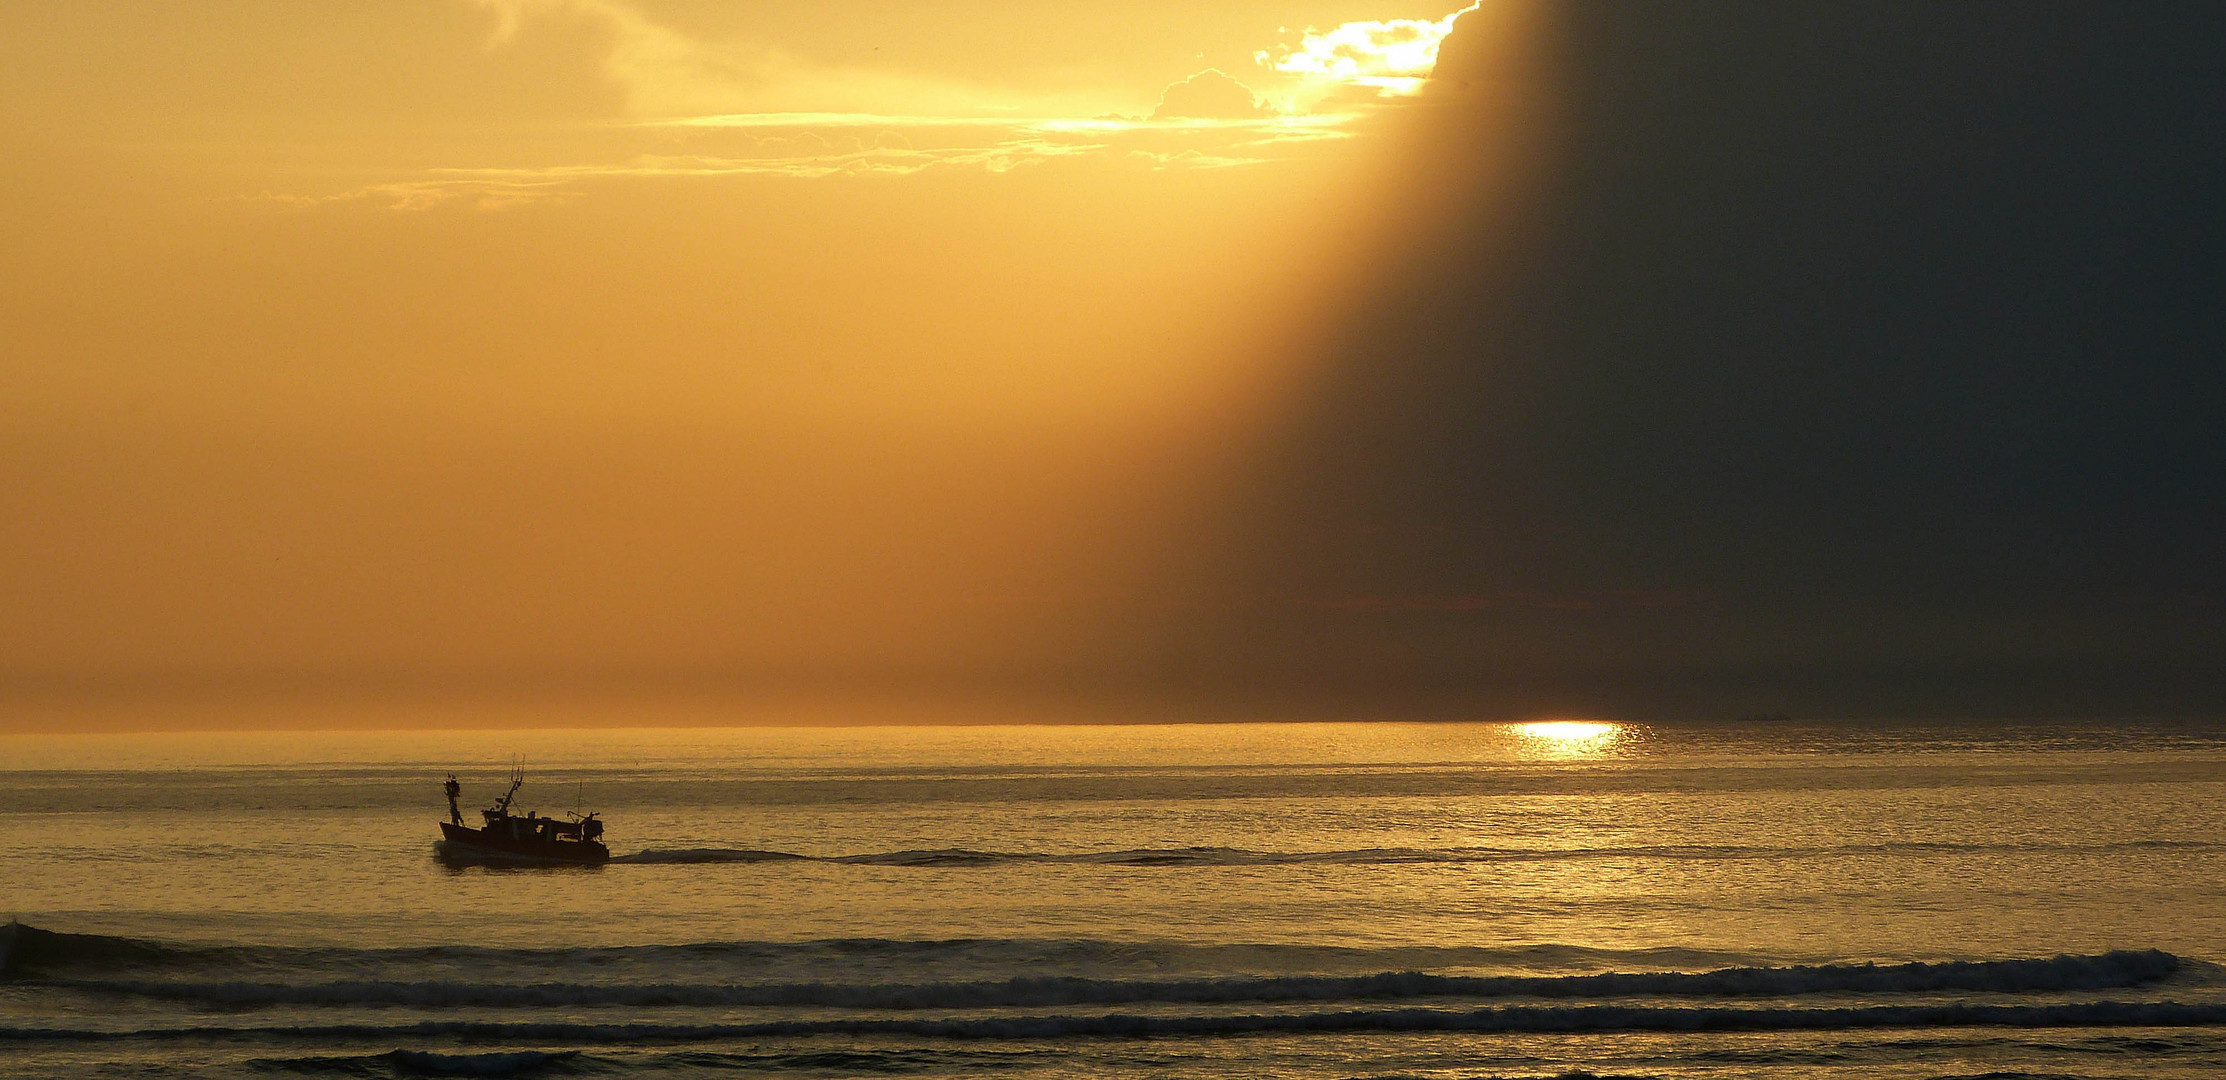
x=476, y=845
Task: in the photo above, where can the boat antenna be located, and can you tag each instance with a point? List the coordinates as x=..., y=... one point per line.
x=517, y=780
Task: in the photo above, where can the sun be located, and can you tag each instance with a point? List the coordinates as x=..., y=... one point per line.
x=1568, y=732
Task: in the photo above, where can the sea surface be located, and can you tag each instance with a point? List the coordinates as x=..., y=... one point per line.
x=1762, y=899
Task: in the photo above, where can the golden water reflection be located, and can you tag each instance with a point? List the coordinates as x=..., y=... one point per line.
x=1569, y=738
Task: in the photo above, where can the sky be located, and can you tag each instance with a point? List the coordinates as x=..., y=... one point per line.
x=1179, y=361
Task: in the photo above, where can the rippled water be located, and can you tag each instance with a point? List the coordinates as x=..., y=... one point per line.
x=1244, y=900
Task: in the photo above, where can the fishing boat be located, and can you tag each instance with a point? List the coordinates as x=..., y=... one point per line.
x=510, y=837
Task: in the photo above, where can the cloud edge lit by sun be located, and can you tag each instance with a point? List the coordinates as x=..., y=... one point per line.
x=1394, y=57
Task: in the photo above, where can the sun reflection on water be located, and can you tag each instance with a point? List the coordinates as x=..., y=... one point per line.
x=1569, y=738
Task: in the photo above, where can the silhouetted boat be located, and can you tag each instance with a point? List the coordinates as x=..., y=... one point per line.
x=507, y=837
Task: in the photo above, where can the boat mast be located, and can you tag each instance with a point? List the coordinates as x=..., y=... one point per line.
x=517, y=780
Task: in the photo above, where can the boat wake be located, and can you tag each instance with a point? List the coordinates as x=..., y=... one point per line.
x=700, y=856
x=1225, y=856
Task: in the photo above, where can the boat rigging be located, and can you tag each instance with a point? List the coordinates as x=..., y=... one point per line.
x=510, y=837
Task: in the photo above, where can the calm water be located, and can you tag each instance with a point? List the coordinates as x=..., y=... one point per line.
x=1768, y=899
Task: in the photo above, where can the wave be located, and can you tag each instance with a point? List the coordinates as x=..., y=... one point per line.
x=1225, y=856
x=856, y=1061
x=1519, y=1018
x=2114, y=970
x=426, y=1063
x=30, y=952
x=25, y=948
x=691, y=1062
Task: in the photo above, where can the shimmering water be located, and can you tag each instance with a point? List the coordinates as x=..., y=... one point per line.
x=1765, y=899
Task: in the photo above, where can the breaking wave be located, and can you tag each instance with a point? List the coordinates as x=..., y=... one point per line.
x=1508, y=1018
x=25, y=948
x=427, y=1063
x=686, y=1062
x=2114, y=970
x=970, y=1004
x=32, y=952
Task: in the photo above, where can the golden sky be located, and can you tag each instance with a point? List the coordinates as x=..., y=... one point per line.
x=1167, y=359
x=828, y=343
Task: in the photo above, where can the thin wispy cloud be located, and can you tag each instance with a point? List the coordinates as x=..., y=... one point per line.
x=450, y=187
x=810, y=146
x=494, y=189
x=668, y=74
x=703, y=108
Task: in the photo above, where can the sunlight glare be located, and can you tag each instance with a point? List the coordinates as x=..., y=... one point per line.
x=1395, y=56
x=1568, y=733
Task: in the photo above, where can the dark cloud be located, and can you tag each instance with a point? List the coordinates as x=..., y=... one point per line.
x=1896, y=330
x=1210, y=95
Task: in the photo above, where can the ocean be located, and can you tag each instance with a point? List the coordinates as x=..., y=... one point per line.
x=1760, y=899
